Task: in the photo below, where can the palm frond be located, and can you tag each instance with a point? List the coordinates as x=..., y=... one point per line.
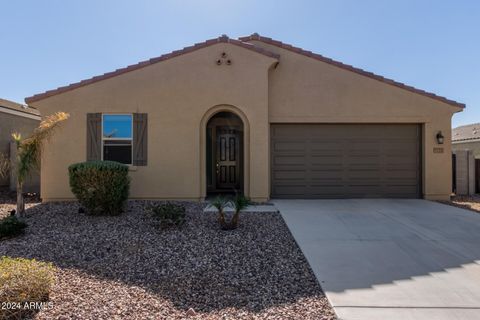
x=220, y=203
x=240, y=203
x=29, y=150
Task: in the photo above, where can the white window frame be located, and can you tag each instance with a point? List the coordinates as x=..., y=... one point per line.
x=125, y=139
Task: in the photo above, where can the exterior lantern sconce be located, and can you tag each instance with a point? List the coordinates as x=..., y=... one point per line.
x=440, y=137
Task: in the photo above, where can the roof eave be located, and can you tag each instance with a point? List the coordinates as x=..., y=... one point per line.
x=289, y=47
x=143, y=64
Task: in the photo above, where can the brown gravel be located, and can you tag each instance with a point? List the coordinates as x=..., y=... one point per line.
x=465, y=202
x=126, y=268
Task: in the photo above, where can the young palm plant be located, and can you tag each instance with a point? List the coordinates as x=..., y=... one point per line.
x=220, y=203
x=29, y=153
x=239, y=203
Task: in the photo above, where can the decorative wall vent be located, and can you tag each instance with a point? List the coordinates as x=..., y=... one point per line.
x=224, y=59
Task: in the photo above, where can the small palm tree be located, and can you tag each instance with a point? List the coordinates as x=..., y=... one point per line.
x=29, y=153
x=220, y=203
x=239, y=203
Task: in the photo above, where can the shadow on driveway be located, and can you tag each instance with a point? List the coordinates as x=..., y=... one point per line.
x=372, y=255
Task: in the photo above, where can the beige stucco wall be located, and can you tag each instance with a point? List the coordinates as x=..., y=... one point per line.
x=306, y=90
x=177, y=94
x=180, y=95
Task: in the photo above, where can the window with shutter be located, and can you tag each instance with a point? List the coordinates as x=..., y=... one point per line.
x=117, y=137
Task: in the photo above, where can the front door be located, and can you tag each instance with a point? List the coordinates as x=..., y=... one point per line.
x=228, y=158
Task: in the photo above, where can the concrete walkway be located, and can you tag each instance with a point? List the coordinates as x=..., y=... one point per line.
x=391, y=259
x=251, y=208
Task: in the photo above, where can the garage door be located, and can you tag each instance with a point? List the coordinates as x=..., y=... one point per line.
x=345, y=161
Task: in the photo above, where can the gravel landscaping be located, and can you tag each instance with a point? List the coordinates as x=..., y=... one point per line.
x=465, y=202
x=125, y=267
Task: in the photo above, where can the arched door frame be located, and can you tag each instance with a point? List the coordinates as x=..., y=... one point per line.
x=203, y=146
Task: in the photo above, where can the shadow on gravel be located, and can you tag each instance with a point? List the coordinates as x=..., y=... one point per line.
x=196, y=266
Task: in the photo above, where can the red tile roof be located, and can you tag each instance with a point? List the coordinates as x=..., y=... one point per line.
x=222, y=39
x=319, y=57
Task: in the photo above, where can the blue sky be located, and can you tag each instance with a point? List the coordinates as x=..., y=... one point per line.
x=432, y=45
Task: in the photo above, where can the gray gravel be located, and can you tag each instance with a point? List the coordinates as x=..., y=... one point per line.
x=125, y=267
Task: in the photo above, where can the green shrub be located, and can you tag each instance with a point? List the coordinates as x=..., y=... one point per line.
x=10, y=227
x=169, y=214
x=23, y=282
x=102, y=187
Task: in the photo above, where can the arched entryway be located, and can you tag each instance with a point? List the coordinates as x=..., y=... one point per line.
x=224, y=154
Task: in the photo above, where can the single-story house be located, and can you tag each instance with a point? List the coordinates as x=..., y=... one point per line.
x=15, y=117
x=253, y=115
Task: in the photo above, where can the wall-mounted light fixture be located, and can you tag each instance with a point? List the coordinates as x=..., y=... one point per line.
x=440, y=137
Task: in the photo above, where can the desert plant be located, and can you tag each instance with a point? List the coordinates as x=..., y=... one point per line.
x=239, y=203
x=169, y=214
x=219, y=203
x=29, y=153
x=102, y=187
x=10, y=227
x=23, y=282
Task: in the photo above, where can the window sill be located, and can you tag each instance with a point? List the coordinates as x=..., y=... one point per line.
x=132, y=168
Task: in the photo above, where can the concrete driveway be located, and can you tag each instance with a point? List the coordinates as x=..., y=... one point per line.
x=391, y=259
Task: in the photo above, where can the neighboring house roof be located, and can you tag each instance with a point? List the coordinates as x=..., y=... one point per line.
x=142, y=64
x=466, y=133
x=242, y=42
x=319, y=57
x=10, y=107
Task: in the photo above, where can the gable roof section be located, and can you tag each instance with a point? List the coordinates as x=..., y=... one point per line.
x=257, y=37
x=142, y=64
x=7, y=106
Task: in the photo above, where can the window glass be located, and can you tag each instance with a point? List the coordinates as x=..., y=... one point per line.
x=117, y=138
x=117, y=126
x=120, y=152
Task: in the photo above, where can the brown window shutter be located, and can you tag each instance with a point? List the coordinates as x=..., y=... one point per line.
x=94, y=136
x=140, y=142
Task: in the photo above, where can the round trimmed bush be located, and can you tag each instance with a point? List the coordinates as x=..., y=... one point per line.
x=102, y=187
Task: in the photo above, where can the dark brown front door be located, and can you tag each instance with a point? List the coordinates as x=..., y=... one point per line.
x=227, y=158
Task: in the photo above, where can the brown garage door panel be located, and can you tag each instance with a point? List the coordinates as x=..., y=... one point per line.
x=345, y=160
